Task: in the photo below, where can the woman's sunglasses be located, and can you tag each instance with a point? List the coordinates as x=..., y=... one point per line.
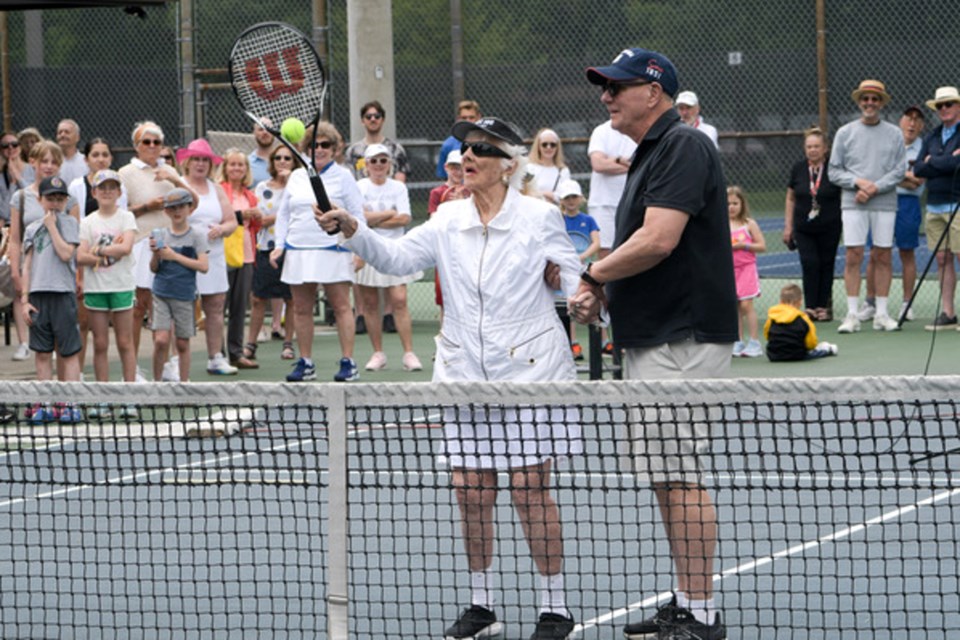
x=8, y=145
x=483, y=150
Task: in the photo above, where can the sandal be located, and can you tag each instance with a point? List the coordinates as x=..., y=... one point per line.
x=288, y=353
x=250, y=350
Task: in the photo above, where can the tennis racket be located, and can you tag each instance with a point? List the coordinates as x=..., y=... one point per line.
x=276, y=74
x=581, y=242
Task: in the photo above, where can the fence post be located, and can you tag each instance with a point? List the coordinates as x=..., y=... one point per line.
x=822, y=66
x=188, y=114
x=337, y=516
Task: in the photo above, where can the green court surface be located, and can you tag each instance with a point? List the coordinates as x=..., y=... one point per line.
x=868, y=352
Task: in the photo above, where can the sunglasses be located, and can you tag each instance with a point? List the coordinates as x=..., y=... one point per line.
x=373, y=116
x=378, y=161
x=942, y=105
x=283, y=158
x=324, y=144
x=870, y=99
x=548, y=145
x=8, y=145
x=151, y=142
x=483, y=150
x=614, y=88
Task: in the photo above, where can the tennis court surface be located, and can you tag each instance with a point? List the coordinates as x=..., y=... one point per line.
x=325, y=511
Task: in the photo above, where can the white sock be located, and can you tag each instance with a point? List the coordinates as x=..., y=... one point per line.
x=682, y=601
x=853, y=302
x=703, y=610
x=481, y=589
x=308, y=361
x=882, y=306
x=553, y=598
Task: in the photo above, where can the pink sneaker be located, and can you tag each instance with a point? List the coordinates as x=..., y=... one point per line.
x=377, y=361
x=411, y=362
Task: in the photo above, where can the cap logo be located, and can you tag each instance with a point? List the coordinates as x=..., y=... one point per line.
x=56, y=182
x=626, y=53
x=654, y=70
x=485, y=122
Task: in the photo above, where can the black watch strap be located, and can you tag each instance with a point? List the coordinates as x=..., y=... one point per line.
x=589, y=279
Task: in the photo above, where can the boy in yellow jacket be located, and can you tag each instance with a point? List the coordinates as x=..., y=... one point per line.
x=789, y=332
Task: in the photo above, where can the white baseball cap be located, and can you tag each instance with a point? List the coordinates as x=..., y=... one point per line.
x=569, y=188
x=688, y=98
x=454, y=157
x=376, y=149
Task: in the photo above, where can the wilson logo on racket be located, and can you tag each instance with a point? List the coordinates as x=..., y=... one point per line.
x=280, y=83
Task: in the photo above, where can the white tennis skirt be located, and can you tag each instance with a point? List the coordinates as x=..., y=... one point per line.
x=321, y=266
x=215, y=279
x=141, y=264
x=509, y=437
x=370, y=277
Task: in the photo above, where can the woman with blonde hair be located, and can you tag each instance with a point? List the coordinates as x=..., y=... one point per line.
x=546, y=164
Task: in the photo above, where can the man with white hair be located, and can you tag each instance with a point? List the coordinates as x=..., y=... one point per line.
x=74, y=163
x=688, y=106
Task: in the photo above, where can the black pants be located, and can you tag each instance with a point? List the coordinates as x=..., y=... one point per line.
x=818, y=255
x=240, y=281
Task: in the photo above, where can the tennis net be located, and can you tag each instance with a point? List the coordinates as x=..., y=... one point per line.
x=326, y=511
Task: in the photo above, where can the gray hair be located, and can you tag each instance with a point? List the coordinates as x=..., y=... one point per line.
x=140, y=129
x=518, y=161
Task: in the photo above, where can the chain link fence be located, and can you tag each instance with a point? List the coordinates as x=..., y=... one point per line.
x=753, y=63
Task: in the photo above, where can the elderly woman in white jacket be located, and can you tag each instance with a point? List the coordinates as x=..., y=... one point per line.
x=500, y=323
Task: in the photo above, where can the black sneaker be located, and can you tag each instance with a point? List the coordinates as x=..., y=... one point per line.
x=942, y=322
x=552, y=626
x=649, y=628
x=389, y=324
x=683, y=626
x=475, y=622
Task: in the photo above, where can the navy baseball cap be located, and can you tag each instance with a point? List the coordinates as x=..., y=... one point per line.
x=638, y=64
x=491, y=126
x=53, y=186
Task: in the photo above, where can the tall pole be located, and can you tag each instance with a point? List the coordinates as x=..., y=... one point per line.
x=456, y=44
x=321, y=41
x=822, y=65
x=5, y=72
x=188, y=106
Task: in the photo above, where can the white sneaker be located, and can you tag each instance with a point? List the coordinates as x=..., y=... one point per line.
x=753, y=349
x=411, y=362
x=218, y=366
x=138, y=376
x=909, y=313
x=263, y=336
x=850, y=324
x=827, y=347
x=22, y=353
x=867, y=312
x=884, y=322
x=377, y=361
x=738, y=348
x=171, y=370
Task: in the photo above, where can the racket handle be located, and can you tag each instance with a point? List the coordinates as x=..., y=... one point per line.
x=322, y=200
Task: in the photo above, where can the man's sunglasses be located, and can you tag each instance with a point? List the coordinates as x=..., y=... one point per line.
x=483, y=150
x=614, y=88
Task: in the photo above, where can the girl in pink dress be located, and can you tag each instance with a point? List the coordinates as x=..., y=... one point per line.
x=748, y=241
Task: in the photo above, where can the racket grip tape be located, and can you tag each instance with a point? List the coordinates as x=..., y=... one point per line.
x=321, y=196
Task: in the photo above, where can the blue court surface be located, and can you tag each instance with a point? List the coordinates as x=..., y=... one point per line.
x=780, y=263
x=833, y=523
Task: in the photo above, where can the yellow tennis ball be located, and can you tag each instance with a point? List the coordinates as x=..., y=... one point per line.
x=293, y=130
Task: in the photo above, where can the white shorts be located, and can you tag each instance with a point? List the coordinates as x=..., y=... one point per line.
x=606, y=217
x=858, y=223
x=214, y=281
x=666, y=443
x=142, y=275
x=321, y=266
x=370, y=277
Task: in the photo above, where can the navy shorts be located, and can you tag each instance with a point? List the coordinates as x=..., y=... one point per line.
x=55, y=325
x=266, y=280
x=906, y=230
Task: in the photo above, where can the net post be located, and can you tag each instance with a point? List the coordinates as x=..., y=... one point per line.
x=337, y=563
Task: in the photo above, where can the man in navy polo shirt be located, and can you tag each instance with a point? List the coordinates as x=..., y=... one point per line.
x=672, y=303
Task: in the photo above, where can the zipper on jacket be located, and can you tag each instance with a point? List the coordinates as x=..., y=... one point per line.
x=483, y=252
x=514, y=348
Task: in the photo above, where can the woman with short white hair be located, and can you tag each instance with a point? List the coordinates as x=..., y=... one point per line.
x=500, y=323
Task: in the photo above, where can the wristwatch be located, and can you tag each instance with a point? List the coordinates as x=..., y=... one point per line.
x=589, y=279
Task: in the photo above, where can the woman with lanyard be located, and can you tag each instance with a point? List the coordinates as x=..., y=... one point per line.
x=812, y=224
x=147, y=179
x=99, y=157
x=214, y=218
x=46, y=158
x=547, y=164
x=500, y=324
x=312, y=257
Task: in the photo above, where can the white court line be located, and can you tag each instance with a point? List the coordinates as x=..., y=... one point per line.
x=790, y=551
x=148, y=474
